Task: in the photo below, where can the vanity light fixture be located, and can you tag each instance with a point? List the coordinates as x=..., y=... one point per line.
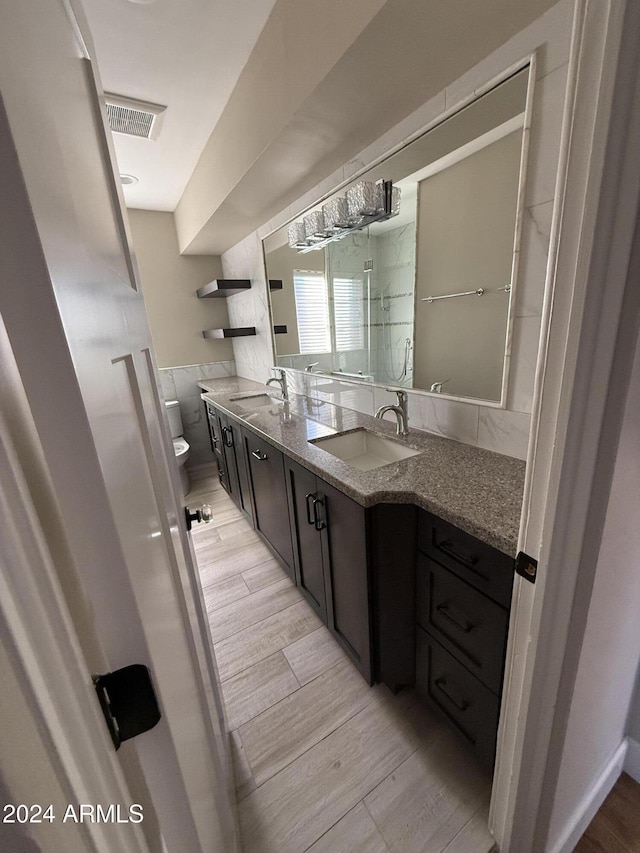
x=365, y=203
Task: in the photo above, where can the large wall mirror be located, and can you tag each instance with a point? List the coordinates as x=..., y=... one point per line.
x=413, y=288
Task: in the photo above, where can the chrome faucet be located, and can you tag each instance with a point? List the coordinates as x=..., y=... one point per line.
x=282, y=382
x=309, y=367
x=436, y=388
x=400, y=410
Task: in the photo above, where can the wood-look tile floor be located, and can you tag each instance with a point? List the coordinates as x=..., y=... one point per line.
x=616, y=826
x=324, y=763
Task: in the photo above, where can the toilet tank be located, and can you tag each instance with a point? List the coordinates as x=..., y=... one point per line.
x=175, y=418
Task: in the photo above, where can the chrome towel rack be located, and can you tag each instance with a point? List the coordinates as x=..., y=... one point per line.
x=479, y=292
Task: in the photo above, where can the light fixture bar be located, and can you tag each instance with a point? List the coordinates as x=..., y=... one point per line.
x=390, y=198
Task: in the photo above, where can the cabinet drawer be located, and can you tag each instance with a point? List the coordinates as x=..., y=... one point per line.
x=479, y=564
x=466, y=622
x=469, y=705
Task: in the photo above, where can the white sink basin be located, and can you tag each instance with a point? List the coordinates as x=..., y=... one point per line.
x=249, y=401
x=365, y=450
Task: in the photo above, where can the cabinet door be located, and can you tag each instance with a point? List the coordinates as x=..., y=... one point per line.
x=215, y=434
x=242, y=468
x=307, y=543
x=270, y=512
x=228, y=451
x=344, y=538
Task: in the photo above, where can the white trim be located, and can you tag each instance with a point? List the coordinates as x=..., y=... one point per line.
x=46, y=655
x=581, y=386
x=466, y=150
x=632, y=759
x=592, y=801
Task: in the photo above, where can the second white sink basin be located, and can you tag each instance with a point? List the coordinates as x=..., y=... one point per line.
x=250, y=401
x=365, y=450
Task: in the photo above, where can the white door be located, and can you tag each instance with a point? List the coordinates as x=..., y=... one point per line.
x=77, y=327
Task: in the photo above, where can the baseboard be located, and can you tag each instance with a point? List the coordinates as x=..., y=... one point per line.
x=586, y=810
x=632, y=760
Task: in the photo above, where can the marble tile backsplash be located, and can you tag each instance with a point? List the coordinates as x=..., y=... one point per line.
x=499, y=430
x=179, y=383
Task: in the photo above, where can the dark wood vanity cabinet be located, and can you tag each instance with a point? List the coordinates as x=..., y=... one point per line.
x=269, y=496
x=411, y=598
x=215, y=436
x=331, y=560
x=226, y=443
x=463, y=592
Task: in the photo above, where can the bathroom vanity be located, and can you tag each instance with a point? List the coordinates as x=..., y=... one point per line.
x=409, y=564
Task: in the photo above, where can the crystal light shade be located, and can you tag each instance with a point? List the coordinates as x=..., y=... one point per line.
x=335, y=214
x=314, y=224
x=296, y=234
x=395, y=201
x=361, y=200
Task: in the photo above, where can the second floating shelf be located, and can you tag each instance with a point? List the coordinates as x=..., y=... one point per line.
x=223, y=287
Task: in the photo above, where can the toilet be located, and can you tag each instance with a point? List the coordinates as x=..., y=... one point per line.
x=180, y=444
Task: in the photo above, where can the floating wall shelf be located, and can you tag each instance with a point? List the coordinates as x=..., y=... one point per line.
x=279, y=330
x=229, y=333
x=275, y=284
x=223, y=287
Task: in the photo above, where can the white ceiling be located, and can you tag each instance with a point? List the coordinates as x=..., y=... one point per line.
x=186, y=54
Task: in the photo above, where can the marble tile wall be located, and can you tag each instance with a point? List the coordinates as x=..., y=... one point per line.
x=503, y=430
x=179, y=383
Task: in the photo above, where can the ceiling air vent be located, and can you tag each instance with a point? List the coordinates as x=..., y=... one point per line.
x=132, y=117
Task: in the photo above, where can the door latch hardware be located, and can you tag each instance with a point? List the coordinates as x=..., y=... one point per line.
x=526, y=567
x=128, y=702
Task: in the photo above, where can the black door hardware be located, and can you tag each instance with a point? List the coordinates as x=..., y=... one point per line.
x=128, y=702
x=201, y=514
x=526, y=567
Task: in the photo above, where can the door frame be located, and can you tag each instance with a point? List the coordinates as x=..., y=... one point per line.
x=587, y=346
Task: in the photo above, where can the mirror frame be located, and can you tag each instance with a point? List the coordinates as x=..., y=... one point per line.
x=528, y=61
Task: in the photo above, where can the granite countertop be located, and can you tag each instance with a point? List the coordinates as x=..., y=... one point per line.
x=477, y=490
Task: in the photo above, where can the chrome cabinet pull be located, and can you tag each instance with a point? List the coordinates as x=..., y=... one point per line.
x=227, y=437
x=441, y=684
x=259, y=456
x=466, y=627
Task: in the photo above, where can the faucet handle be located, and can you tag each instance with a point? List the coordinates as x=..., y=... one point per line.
x=400, y=394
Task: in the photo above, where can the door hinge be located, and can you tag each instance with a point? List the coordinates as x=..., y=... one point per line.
x=526, y=567
x=128, y=702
